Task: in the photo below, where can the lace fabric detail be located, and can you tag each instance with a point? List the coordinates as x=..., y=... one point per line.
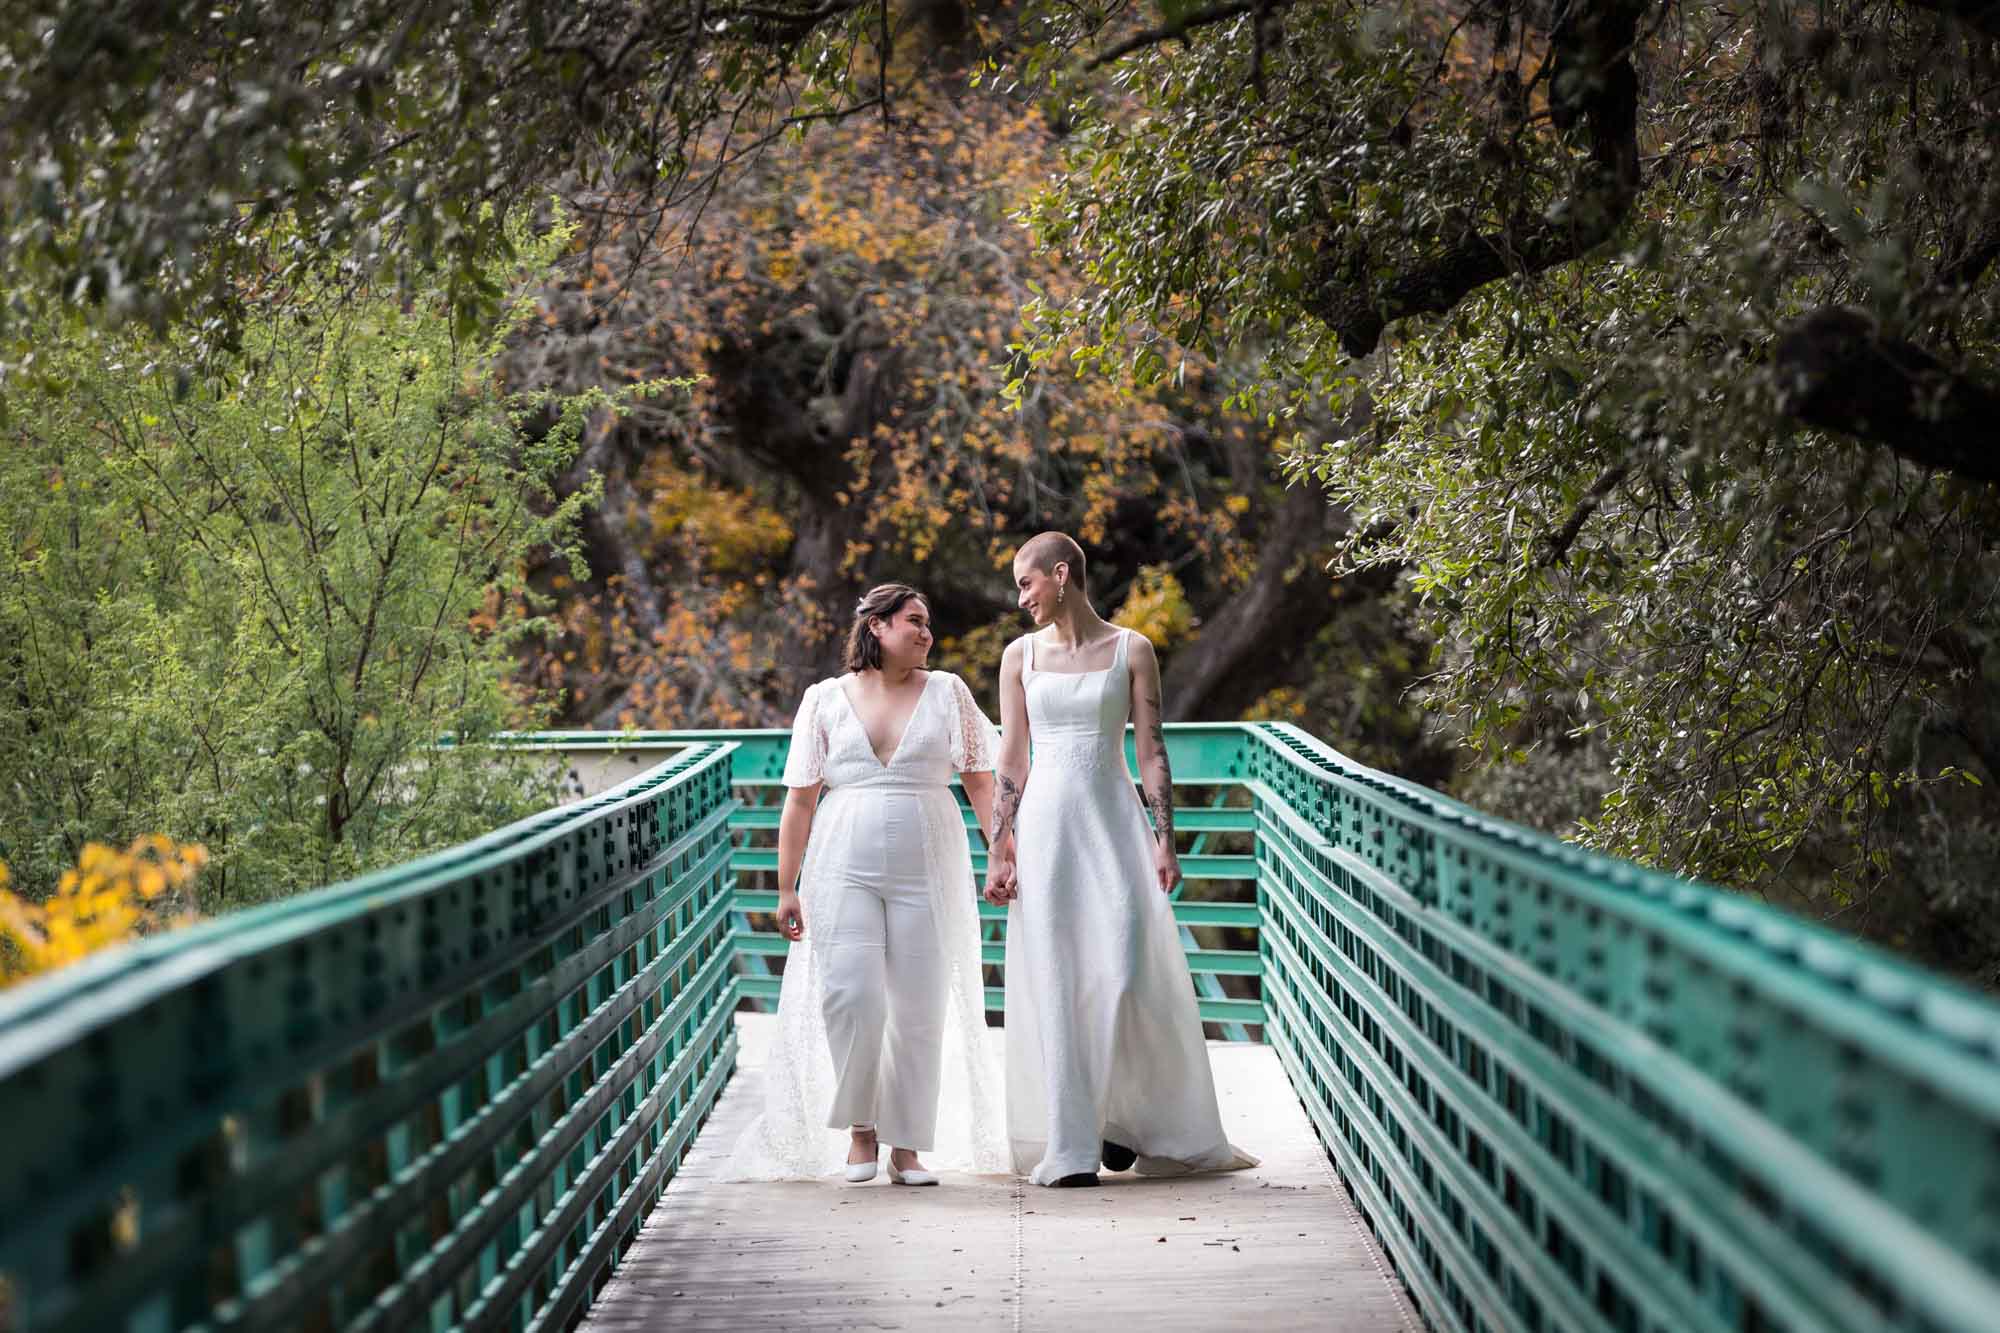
x=1080, y=754
x=790, y=1140
x=975, y=741
x=805, y=760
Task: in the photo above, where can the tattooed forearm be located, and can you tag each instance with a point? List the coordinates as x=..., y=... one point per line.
x=1160, y=800
x=1007, y=806
x=1160, y=788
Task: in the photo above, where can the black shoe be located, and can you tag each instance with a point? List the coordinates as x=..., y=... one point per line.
x=1080, y=1180
x=1117, y=1157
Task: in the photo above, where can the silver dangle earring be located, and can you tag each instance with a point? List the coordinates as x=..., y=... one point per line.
x=1061, y=588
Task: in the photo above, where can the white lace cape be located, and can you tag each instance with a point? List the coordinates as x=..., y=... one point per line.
x=791, y=1140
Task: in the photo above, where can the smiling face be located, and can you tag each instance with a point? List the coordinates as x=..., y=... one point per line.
x=905, y=636
x=1038, y=588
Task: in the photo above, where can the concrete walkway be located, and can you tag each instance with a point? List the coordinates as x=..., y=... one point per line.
x=1275, y=1248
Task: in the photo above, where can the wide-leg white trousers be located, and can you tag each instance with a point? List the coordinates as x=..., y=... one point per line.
x=882, y=983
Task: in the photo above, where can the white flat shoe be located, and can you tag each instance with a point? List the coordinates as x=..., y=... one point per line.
x=916, y=1176
x=858, y=1172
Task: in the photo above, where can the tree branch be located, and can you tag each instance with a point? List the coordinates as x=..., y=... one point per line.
x=1187, y=23
x=1593, y=96
x=1558, y=542
x=1837, y=372
x=1236, y=638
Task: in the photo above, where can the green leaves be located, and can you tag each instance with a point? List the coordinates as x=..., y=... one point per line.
x=169, y=141
x=243, y=606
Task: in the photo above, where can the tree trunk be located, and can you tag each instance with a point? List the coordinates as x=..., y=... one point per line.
x=1236, y=659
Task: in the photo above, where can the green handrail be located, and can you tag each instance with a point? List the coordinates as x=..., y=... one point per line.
x=438, y=1096
x=1206, y=758
x=1572, y=1093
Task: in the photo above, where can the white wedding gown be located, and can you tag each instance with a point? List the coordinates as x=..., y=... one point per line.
x=1104, y=1040
x=946, y=733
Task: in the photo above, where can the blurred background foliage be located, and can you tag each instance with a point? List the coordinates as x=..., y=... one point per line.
x=243, y=594
x=1585, y=409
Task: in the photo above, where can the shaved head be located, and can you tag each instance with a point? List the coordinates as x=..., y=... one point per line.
x=1046, y=550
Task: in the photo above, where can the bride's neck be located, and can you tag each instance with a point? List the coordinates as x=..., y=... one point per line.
x=890, y=675
x=1071, y=628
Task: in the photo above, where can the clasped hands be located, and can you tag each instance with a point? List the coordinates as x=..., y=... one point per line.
x=1001, y=885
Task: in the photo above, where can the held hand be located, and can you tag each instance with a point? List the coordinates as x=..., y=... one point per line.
x=791, y=917
x=1000, y=886
x=1166, y=864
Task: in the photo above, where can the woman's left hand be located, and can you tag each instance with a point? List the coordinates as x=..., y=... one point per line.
x=1166, y=864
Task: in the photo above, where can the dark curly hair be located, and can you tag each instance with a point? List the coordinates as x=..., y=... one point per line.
x=883, y=601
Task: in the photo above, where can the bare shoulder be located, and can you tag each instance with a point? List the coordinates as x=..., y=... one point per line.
x=1010, y=657
x=1139, y=652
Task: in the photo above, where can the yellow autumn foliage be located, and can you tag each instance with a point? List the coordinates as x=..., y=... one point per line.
x=733, y=531
x=111, y=896
x=1157, y=606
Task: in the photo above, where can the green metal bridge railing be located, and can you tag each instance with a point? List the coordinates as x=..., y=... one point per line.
x=434, y=1097
x=1219, y=893
x=1575, y=1094
x=1567, y=1093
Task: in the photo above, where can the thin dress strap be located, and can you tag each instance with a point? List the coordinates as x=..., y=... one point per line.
x=1028, y=655
x=1118, y=658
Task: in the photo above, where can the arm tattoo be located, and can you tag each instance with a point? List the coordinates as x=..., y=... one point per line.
x=1160, y=797
x=1007, y=806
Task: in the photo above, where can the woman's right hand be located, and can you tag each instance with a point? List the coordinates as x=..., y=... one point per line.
x=791, y=917
x=1000, y=886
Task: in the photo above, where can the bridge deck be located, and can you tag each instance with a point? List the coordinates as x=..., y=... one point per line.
x=1278, y=1247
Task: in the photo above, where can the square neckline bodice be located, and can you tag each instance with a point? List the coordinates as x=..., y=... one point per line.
x=1117, y=657
x=1080, y=714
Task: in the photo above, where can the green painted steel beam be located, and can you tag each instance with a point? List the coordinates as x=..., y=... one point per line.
x=1196, y=868
x=1187, y=819
x=1212, y=1011
x=1186, y=913
x=1202, y=753
x=1220, y=962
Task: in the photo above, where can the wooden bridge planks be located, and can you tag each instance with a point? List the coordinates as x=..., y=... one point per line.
x=1277, y=1247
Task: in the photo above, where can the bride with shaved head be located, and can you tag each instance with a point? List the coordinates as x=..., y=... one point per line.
x=1105, y=1059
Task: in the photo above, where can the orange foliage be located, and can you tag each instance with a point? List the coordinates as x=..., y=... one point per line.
x=851, y=305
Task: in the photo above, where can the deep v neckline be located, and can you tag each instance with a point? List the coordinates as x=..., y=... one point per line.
x=886, y=764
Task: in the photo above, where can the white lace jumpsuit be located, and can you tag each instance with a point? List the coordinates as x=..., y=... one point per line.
x=883, y=1003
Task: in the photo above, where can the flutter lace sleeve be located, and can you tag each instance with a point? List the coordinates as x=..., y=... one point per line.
x=805, y=761
x=975, y=742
